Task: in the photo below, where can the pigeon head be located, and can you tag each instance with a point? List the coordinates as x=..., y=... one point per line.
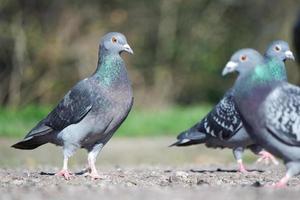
x=114, y=43
x=242, y=60
x=279, y=49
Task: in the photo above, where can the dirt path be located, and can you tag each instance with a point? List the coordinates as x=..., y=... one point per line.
x=136, y=169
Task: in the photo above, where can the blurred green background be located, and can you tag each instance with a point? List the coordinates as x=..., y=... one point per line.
x=180, y=49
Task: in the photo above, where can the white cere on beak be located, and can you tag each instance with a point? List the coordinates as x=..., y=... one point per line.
x=127, y=48
x=289, y=54
x=230, y=67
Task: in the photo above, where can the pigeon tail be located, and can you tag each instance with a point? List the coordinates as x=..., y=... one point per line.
x=31, y=142
x=189, y=137
x=38, y=136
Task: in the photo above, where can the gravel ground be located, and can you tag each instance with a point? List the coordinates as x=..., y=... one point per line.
x=136, y=169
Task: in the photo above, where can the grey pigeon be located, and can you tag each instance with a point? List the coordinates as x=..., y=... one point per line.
x=223, y=128
x=91, y=112
x=269, y=107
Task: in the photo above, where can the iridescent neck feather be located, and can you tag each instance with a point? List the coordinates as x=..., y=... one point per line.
x=111, y=69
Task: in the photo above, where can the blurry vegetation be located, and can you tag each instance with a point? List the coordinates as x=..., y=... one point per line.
x=180, y=45
x=167, y=121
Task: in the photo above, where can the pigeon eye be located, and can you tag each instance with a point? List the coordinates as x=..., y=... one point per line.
x=243, y=58
x=277, y=48
x=114, y=40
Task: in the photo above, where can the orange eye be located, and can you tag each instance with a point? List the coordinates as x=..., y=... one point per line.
x=277, y=48
x=243, y=58
x=114, y=40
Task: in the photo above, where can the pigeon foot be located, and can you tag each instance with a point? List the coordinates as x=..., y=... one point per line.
x=64, y=173
x=267, y=157
x=242, y=167
x=280, y=184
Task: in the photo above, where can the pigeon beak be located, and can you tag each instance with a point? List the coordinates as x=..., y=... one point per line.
x=230, y=67
x=127, y=48
x=289, y=55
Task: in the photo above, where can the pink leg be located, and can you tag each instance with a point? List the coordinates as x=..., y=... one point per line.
x=266, y=156
x=65, y=172
x=242, y=168
x=282, y=183
x=93, y=173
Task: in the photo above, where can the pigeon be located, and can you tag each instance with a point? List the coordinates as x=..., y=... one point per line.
x=223, y=128
x=91, y=112
x=269, y=107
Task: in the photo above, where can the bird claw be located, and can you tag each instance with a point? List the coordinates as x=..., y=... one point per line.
x=64, y=173
x=242, y=169
x=267, y=157
x=278, y=185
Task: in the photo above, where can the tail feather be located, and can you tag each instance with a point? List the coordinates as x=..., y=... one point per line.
x=31, y=142
x=189, y=137
x=184, y=142
x=39, y=135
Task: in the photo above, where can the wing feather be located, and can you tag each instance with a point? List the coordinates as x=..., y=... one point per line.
x=283, y=113
x=224, y=120
x=75, y=105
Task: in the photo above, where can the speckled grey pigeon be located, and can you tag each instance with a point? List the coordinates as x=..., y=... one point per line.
x=223, y=128
x=269, y=107
x=91, y=111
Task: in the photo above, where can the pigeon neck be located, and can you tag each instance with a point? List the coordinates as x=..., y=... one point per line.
x=276, y=68
x=111, y=69
x=252, y=87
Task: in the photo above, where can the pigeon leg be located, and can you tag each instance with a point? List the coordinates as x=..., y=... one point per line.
x=293, y=168
x=264, y=155
x=238, y=154
x=283, y=182
x=267, y=157
x=242, y=168
x=93, y=173
x=68, y=152
x=65, y=172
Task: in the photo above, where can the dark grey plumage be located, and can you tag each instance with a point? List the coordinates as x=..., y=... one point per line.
x=222, y=123
x=92, y=110
x=269, y=107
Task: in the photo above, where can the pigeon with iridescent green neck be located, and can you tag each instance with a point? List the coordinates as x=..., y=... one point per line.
x=269, y=107
x=91, y=112
x=223, y=128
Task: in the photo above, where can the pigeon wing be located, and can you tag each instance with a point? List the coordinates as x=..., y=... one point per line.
x=71, y=109
x=224, y=120
x=283, y=114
